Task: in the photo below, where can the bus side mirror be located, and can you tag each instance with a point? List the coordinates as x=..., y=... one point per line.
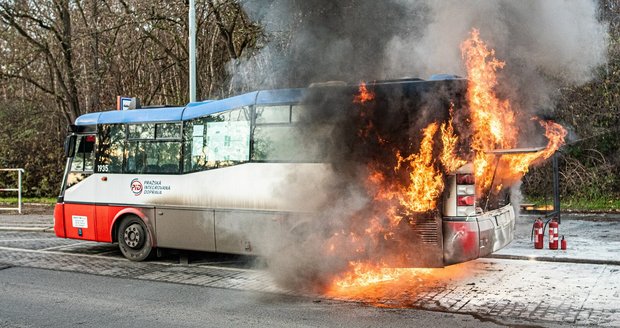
x=70, y=145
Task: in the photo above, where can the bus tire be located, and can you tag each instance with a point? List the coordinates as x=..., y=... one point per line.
x=134, y=239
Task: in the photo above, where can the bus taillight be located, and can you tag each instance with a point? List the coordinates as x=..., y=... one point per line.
x=465, y=201
x=465, y=195
x=465, y=179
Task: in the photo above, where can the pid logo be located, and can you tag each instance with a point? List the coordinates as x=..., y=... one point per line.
x=136, y=187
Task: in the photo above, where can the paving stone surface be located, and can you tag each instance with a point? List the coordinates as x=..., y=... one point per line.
x=515, y=292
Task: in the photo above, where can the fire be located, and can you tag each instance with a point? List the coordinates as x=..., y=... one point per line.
x=364, y=274
x=364, y=95
x=521, y=163
x=555, y=133
x=416, y=182
x=426, y=182
x=393, y=287
x=449, y=157
x=494, y=120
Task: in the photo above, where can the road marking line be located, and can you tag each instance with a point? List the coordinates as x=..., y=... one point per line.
x=29, y=229
x=25, y=239
x=69, y=245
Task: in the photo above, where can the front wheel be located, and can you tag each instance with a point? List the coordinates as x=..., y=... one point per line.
x=134, y=240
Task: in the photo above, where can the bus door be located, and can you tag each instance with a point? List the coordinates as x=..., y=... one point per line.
x=79, y=189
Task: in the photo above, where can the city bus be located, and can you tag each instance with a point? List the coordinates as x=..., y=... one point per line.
x=226, y=175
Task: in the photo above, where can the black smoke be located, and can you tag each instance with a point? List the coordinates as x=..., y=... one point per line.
x=545, y=44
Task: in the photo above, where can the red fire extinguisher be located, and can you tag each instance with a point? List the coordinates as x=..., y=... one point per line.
x=538, y=233
x=553, y=234
x=563, y=243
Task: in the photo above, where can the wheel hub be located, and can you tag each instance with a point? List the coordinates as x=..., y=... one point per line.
x=133, y=236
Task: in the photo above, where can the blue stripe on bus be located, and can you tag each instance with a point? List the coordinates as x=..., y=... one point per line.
x=193, y=110
x=88, y=119
x=208, y=107
x=217, y=106
x=132, y=116
x=283, y=96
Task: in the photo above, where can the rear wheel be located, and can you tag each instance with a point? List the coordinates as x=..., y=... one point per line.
x=134, y=240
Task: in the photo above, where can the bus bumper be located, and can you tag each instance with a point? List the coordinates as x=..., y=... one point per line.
x=468, y=239
x=59, y=223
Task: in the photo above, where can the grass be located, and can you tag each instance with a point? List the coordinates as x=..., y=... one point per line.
x=580, y=204
x=38, y=200
x=572, y=204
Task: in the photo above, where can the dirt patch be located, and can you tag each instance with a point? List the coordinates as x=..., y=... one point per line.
x=29, y=208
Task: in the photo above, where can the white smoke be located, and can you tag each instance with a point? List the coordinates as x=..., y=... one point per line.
x=544, y=43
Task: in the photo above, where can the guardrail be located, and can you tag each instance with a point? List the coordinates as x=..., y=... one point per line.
x=18, y=189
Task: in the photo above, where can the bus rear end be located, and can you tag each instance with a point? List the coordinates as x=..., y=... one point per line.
x=470, y=230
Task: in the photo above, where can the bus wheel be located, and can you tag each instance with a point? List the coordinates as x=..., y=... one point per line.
x=133, y=239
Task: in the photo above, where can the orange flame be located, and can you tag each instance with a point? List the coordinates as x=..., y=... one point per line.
x=426, y=182
x=364, y=95
x=555, y=133
x=493, y=125
x=449, y=158
x=393, y=287
x=364, y=274
x=520, y=164
x=493, y=120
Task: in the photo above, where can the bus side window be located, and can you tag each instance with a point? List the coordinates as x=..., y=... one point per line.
x=218, y=140
x=111, y=148
x=273, y=114
x=135, y=158
x=154, y=148
x=277, y=136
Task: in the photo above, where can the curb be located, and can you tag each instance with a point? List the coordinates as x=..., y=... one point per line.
x=28, y=229
x=609, y=217
x=553, y=259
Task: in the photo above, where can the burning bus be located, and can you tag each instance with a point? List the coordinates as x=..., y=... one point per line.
x=225, y=175
x=395, y=173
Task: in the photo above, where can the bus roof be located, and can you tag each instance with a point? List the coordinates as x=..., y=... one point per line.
x=193, y=110
x=208, y=107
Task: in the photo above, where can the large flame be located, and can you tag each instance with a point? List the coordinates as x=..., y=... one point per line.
x=393, y=287
x=492, y=119
x=426, y=181
x=492, y=122
x=449, y=157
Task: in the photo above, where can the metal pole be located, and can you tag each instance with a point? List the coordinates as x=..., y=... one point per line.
x=497, y=158
x=19, y=191
x=192, y=50
x=556, y=187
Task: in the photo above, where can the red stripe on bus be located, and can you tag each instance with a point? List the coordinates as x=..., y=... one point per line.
x=92, y=222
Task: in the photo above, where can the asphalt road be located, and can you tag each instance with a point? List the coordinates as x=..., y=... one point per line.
x=46, y=298
x=48, y=281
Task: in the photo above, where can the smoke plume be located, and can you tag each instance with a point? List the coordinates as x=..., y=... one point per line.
x=545, y=44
